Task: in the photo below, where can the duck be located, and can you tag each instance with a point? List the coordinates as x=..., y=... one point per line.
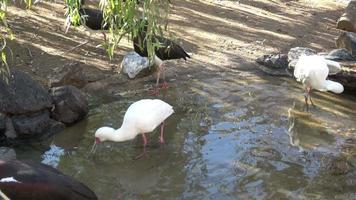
x=27, y=180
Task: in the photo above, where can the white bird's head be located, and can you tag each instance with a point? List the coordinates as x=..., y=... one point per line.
x=101, y=135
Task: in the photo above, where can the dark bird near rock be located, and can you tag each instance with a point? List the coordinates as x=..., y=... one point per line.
x=93, y=18
x=33, y=181
x=167, y=50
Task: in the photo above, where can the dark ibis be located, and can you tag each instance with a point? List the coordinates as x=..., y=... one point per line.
x=21, y=180
x=167, y=50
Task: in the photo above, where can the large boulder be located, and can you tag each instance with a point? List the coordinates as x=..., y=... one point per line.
x=76, y=74
x=136, y=66
x=33, y=124
x=339, y=55
x=70, y=104
x=2, y=123
x=22, y=95
x=24, y=106
x=347, y=40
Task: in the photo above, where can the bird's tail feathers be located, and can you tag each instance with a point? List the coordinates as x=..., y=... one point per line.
x=334, y=87
x=333, y=63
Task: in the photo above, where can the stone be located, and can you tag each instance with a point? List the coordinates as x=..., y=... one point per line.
x=340, y=55
x=70, y=104
x=76, y=74
x=273, y=64
x=296, y=52
x=22, y=95
x=29, y=125
x=2, y=123
x=136, y=66
x=7, y=154
x=347, y=40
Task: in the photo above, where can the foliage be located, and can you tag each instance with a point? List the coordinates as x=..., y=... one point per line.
x=124, y=18
x=5, y=34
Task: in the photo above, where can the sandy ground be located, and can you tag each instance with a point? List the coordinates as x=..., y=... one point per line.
x=220, y=36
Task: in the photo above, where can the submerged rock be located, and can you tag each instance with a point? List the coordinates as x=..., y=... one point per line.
x=70, y=104
x=135, y=66
x=7, y=153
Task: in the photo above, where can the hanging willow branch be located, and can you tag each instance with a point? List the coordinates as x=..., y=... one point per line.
x=124, y=18
x=7, y=34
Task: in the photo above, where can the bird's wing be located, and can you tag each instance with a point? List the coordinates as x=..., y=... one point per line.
x=169, y=49
x=311, y=68
x=147, y=114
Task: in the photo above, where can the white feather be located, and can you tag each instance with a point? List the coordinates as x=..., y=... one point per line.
x=142, y=116
x=9, y=179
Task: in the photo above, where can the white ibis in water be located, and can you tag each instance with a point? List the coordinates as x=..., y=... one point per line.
x=141, y=117
x=167, y=50
x=312, y=71
x=32, y=181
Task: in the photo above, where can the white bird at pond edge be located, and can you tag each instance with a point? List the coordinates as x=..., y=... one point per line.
x=312, y=71
x=141, y=117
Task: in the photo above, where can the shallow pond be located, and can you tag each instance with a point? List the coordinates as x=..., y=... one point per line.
x=234, y=136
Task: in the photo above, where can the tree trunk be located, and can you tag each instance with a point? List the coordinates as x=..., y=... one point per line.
x=347, y=21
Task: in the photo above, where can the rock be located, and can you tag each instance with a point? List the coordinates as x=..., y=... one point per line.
x=70, y=104
x=7, y=153
x=340, y=55
x=273, y=64
x=76, y=74
x=10, y=129
x=22, y=95
x=296, y=52
x=347, y=40
x=29, y=125
x=136, y=66
x=2, y=123
x=347, y=76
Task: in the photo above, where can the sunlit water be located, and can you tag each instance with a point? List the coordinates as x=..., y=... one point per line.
x=236, y=136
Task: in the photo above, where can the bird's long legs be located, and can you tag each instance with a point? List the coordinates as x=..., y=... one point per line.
x=307, y=96
x=144, y=139
x=161, y=69
x=164, y=84
x=161, y=138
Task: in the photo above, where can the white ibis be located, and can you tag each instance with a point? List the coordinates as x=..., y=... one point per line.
x=167, y=50
x=32, y=181
x=141, y=117
x=312, y=71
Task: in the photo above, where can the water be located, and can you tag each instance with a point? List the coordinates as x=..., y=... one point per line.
x=231, y=137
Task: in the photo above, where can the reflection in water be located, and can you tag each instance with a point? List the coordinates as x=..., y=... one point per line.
x=235, y=139
x=52, y=156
